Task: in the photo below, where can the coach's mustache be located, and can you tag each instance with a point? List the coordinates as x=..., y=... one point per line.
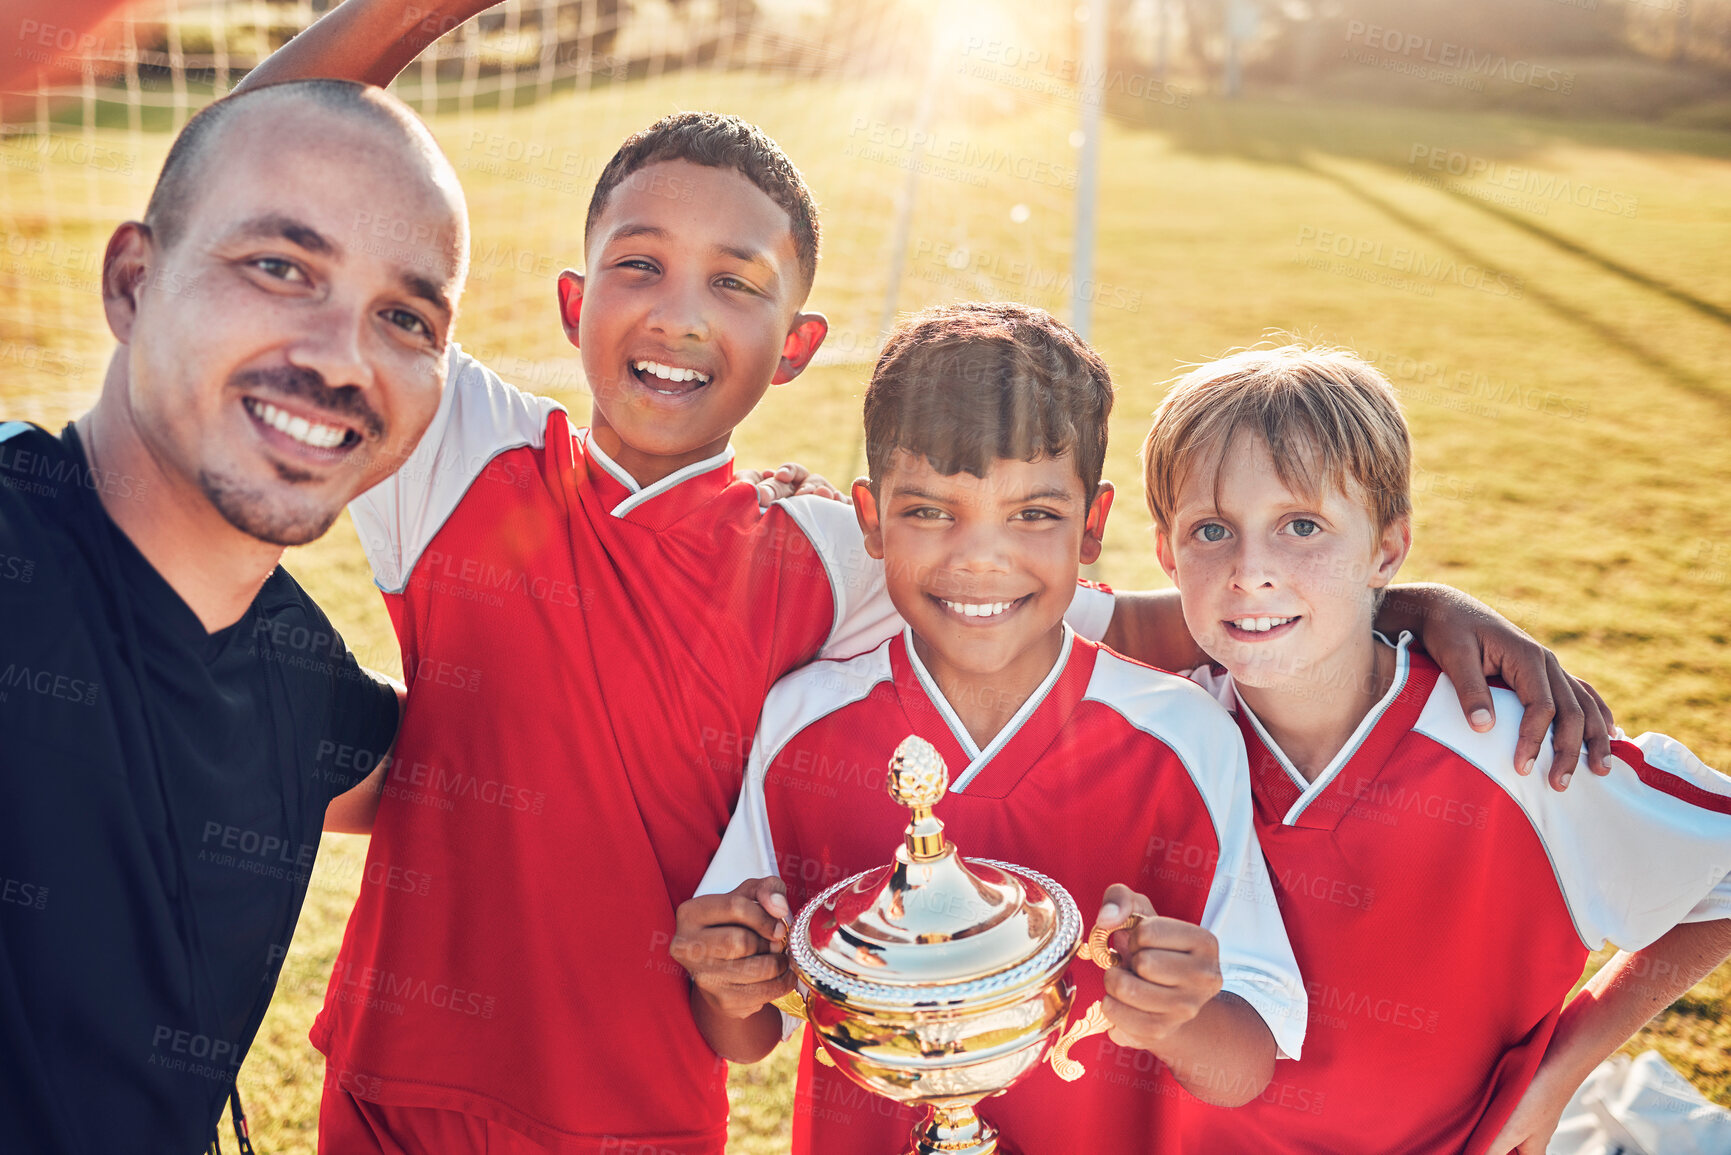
x=346, y=401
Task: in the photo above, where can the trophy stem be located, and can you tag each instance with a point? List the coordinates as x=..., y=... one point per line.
x=955, y=1130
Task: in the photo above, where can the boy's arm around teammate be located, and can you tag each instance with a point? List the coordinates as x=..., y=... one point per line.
x=366, y=40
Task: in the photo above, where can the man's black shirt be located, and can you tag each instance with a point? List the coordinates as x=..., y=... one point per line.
x=161, y=795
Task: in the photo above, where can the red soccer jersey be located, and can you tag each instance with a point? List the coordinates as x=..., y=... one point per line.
x=1111, y=772
x=1442, y=907
x=586, y=659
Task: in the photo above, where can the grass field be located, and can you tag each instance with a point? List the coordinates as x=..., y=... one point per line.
x=1560, y=360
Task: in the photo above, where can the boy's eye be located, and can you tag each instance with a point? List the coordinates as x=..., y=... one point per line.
x=1213, y=531
x=1036, y=515
x=1304, y=527
x=637, y=263
x=732, y=283
x=925, y=513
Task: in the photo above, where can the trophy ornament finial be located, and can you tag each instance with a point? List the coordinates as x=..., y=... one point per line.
x=935, y=980
x=918, y=776
x=917, y=779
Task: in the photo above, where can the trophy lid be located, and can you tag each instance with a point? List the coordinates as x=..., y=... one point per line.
x=930, y=918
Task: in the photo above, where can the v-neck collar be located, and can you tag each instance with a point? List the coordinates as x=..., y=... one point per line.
x=155, y=596
x=1323, y=803
x=664, y=502
x=1027, y=734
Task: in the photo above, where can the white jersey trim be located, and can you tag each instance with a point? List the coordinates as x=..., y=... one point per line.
x=798, y=700
x=1664, y=752
x=479, y=417
x=979, y=759
x=643, y=493
x=1631, y=861
x=1090, y=612
x=1310, y=791
x=864, y=615
x=1256, y=959
x=795, y=702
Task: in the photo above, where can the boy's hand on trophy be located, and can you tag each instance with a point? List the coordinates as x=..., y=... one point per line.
x=1169, y=971
x=734, y=945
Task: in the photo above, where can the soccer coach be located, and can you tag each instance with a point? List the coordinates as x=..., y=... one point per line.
x=176, y=714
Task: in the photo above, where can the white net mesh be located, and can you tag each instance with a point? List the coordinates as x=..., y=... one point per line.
x=941, y=145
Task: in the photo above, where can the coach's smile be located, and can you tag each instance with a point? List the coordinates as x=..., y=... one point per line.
x=304, y=433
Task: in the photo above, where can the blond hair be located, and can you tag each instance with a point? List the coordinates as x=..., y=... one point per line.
x=1326, y=415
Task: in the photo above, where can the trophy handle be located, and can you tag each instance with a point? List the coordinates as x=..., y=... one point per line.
x=793, y=1003
x=1098, y=950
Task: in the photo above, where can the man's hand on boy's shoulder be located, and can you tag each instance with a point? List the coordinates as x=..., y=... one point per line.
x=1170, y=970
x=734, y=945
x=790, y=480
x=1471, y=642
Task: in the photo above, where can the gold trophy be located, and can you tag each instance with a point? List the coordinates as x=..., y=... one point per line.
x=941, y=980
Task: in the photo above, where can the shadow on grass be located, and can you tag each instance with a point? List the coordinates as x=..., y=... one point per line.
x=1291, y=137
x=1616, y=268
x=1678, y=375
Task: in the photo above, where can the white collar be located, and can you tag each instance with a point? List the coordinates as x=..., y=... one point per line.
x=977, y=758
x=640, y=493
x=1310, y=791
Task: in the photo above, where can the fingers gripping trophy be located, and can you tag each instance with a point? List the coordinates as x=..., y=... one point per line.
x=940, y=980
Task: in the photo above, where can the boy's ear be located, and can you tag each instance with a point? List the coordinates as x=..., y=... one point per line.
x=803, y=337
x=570, y=302
x=1163, y=548
x=125, y=266
x=1094, y=531
x=1392, y=546
x=865, y=508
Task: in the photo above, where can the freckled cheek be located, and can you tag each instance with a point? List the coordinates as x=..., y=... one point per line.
x=1321, y=571
x=1204, y=580
x=1202, y=587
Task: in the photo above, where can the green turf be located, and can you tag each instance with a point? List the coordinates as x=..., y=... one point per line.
x=1560, y=365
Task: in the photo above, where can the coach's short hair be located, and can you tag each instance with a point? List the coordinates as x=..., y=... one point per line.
x=969, y=384
x=1325, y=414
x=715, y=140
x=178, y=185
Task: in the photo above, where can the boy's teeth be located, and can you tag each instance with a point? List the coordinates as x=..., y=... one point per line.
x=669, y=372
x=1258, y=625
x=299, y=428
x=979, y=609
